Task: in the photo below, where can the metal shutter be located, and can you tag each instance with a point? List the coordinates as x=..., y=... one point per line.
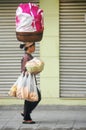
x=10, y=53
x=73, y=48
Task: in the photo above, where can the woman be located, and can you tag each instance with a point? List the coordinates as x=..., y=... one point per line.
x=29, y=106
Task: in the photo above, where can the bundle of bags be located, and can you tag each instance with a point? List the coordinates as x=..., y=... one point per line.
x=25, y=88
x=34, y=66
x=29, y=22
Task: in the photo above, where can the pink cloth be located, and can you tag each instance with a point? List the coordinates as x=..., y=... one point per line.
x=29, y=18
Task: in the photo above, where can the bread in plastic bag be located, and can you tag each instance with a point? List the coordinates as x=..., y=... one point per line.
x=35, y=65
x=13, y=89
x=25, y=88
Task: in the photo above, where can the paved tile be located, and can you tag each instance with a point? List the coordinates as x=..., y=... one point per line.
x=47, y=118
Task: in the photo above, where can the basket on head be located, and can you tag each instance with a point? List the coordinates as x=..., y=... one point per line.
x=29, y=23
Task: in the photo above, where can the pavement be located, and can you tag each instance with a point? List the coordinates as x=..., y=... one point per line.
x=47, y=117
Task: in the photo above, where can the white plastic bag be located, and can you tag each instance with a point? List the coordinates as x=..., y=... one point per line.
x=31, y=83
x=20, y=85
x=13, y=89
x=27, y=88
x=35, y=65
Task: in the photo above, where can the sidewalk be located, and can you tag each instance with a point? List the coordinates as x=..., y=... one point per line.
x=46, y=117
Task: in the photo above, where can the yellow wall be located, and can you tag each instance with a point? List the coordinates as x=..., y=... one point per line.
x=49, y=49
x=49, y=52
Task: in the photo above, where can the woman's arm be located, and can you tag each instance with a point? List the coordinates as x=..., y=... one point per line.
x=23, y=62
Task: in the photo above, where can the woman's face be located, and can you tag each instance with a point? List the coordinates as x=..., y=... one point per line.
x=31, y=49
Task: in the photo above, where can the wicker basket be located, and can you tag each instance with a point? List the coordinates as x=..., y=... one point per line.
x=29, y=36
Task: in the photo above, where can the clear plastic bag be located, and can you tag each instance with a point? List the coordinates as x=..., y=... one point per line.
x=13, y=89
x=25, y=88
x=35, y=65
x=29, y=89
x=31, y=83
x=20, y=85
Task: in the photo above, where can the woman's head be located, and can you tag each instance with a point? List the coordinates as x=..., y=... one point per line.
x=29, y=47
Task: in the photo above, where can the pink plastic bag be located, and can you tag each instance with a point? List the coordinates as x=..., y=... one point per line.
x=29, y=18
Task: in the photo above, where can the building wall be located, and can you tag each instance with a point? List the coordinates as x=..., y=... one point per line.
x=10, y=53
x=49, y=52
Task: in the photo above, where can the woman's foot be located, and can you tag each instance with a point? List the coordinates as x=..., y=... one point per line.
x=28, y=122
